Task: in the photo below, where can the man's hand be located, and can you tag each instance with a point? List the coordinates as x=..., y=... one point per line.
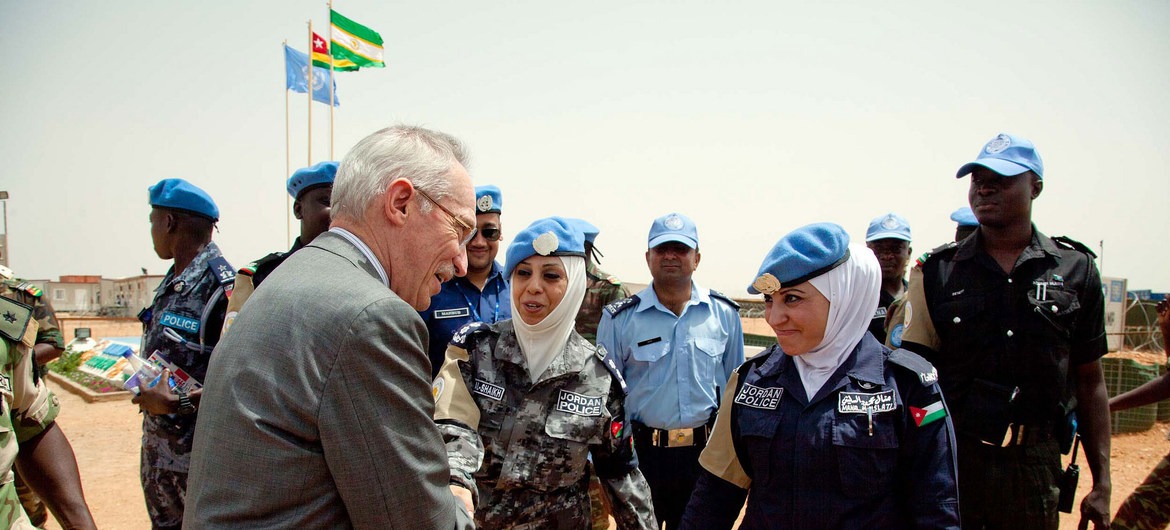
x=464, y=495
x=1095, y=508
x=157, y=399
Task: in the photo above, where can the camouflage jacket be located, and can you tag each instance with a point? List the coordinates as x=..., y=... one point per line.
x=521, y=448
x=27, y=406
x=48, y=331
x=600, y=289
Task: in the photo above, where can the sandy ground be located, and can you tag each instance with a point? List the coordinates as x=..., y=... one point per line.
x=106, y=439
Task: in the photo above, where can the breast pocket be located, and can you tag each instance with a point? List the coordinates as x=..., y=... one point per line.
x=651, y=353
x=757, y=431
x=560, y=456
x=866, y=463
x=964, y=317
x=1058, y=308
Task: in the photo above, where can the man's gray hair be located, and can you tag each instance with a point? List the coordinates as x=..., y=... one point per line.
x=422, y=156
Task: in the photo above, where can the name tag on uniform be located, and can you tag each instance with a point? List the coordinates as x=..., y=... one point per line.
x=487, y=389
x=859, y=403
x=452, y=313
x=181, y=322
x=759, y=397
x=578, y=404
x=880, y=313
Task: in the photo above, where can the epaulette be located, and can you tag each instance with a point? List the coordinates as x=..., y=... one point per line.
x=222, y=270
x=607, y=361
x=614, y=308
x=759, y=358
x=251, y=268
x=14, y=317
x=462, y=338
x=721, y=296
x=927, y=373
x=937, y=250
x=1070, y=243
x=30, y=288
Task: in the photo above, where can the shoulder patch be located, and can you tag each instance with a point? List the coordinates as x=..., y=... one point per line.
x=30, y=288
x=934, y=252
x=721, y=296
x=610, y=366
x=927, y=374
x=14, y=317
x=621, y=305
x=613, y=279
x=1070, y=243
x=462, y=338
x=222, y=270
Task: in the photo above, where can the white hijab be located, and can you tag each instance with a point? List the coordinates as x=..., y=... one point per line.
x=544, y=341
x=853, y=290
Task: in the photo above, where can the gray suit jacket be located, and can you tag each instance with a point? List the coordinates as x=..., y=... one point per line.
x=317, y=409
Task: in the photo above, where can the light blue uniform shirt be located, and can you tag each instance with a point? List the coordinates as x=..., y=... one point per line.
x=676, y=366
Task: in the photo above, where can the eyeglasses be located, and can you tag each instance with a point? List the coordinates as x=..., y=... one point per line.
x=491, y=233
x=471, y=230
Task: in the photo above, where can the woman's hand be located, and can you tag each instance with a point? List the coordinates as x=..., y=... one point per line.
x=464, y=495
x=157, y=399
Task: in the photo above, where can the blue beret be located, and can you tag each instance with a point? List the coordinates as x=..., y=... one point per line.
x=1007, y=155
x=308, y=177
x=551, y=236
x=586, y=228
x=488, y=199
x=182, y=195
x=888, y=226
x=965, y=217
x=801, y=255
x=673, y=227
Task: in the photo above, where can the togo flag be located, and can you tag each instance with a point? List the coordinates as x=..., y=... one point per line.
x=354, y=42
x=929, y=414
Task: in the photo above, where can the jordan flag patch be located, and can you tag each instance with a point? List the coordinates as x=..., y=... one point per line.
x=932, y=412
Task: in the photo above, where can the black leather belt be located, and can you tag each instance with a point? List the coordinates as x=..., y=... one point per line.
x=649, y=436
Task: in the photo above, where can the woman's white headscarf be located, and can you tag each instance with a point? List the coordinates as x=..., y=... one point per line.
x=853, y=290
x=544, y=341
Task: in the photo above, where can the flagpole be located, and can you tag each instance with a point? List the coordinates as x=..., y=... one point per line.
x=309, y=78
x=332, y=81
x=287, y=163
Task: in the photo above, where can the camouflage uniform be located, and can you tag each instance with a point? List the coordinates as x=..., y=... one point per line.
x=521, y=447
x=1147, y=507
x=183, y=304
x=601, y=289
x=27, y=405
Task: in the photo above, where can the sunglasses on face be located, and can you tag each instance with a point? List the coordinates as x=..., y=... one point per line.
x=491, y=233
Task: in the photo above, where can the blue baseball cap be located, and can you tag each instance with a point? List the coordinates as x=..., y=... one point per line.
x=179, y=194
x=318, y=174
x=965, y=217
x=888, y=226
x=801, y=255
x=488, y=199
x=674, y=227
x=1007, y=155
x=551, y=236
x=587, y=229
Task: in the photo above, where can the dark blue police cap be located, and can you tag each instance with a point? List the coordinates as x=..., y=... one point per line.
x=801, y=255
x=551, y=236
x=179, y=194
x=321, y=173
x=488, y=199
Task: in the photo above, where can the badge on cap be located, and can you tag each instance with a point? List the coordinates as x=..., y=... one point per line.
x=998, y=144
x=545, y=243
x=484, y=203
x=889, y=223
x=766, y=283
x=673, y=222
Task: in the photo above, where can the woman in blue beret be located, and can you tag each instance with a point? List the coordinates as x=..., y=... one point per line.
x=523, y=402
x=828, y=429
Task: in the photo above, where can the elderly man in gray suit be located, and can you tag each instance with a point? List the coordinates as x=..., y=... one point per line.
x=316, y=410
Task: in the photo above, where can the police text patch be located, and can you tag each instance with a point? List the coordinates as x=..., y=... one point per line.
x=759, y=397
x=180, y=322
x=578, y=404
x=452, y=313
x=861, y=403
x=487, y=389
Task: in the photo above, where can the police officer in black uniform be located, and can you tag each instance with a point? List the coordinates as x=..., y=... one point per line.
x=1013, y=320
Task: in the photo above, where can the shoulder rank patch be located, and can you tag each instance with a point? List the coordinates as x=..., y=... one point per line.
x=222, y=270
x=1068, y=242
x=462, y=338
x=14, y=317
x=926, y=255
x=621, y=305
x=721, y=296
x=607, y=361
x=927, y=373
x=31, y=289
x=759, y=358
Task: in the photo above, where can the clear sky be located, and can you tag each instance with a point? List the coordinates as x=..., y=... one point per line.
x=753, y=118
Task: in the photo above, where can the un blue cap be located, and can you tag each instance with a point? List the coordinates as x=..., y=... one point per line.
x=318, y=174
x=888, y=226
x=1007, y=155
x=551, y=236
x=674, y=227
x=587, y=229
x=965, y=217
x=488, y=199
x=179, y=194
x=801, y=255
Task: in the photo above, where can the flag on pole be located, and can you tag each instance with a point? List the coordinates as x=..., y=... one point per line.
x=321, y=56
x=355, y=42
x=295, y=66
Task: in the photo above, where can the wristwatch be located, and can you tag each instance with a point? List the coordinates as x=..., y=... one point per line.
x=185, y=405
